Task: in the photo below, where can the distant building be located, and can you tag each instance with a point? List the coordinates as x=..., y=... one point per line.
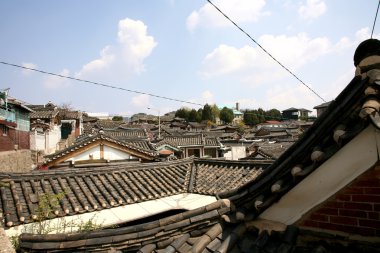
x=295, y=113
x=238, y=115
x=14, y=124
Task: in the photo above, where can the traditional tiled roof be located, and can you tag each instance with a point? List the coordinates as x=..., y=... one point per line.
x=224, y=128
x=50, y=110
x=274, y=150
x=142, y=149
x=200, y=230
x=213, y=176
x=88, y=190
x=94, y=189
x=196, y=125
x=125, y=133
x=68, y=114
x=189, y=141
x=259, y=154
x=43, y=114
x=231, y=224
x=107, y=124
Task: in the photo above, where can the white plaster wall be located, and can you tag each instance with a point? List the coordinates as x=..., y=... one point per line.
x=32, y=138
x=115, y=154
x=37, y=141
x=40, y=142
x=122, y=214
x=95, y=152
x=52, y=139
x=235, y=153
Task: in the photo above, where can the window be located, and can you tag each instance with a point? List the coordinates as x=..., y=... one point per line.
x=4, y=130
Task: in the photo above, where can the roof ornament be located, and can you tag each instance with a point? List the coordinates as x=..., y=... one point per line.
x=367, y=62
x=367, y=56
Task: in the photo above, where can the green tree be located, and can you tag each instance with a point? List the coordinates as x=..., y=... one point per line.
x=215, y=112
x=251, y=117
x=194, y=116
x=226, y=115
x=183, y=113
x=207, y=113
x=273, y=114
x=117, y=118
x=241, y=128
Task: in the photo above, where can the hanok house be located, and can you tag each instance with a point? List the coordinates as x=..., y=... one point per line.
x=102, y=148
x=45, y=128
x=321, y=195
x=72, y=124
x=14, y=125
x=122, y=194
x=190, y=145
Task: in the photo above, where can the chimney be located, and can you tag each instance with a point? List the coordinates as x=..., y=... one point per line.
x=237, y=106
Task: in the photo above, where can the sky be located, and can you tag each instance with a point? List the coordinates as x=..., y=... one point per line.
x=180, y=49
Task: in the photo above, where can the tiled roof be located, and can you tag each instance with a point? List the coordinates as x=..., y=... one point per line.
x=88, y=190
x=141, y=148
x=67, y=114
x=274, y=150
x=125, y=133
x=224, y=175
x=200, y=230
x=94, y=189
x=259, y=155
x=43, y=114
x=107, y=124
x=231, y=224
x=189, y=140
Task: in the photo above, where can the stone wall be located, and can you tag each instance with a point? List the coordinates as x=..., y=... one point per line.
x=15, y=161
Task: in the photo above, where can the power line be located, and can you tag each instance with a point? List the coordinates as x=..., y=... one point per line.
x=374, y=22
x=99, y=84
x=249, y=36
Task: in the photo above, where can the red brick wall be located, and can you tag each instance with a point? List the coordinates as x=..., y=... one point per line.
x=355, y=209
x=12, y=138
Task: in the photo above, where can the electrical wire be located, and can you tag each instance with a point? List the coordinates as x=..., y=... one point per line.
x=99, y=84
x=374, y=22
x=249, y=36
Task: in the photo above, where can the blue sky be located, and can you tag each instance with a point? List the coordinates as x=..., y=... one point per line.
x=181, y=49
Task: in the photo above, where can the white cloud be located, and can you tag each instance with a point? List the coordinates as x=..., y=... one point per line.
x=283, y=96
x=56, y=82
x=347, y=43
x=207, y=97
x=125, y=57
x=251, y=65
x=140, y=101
x=312, y=9
x=27, y=72
x=238, y=10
